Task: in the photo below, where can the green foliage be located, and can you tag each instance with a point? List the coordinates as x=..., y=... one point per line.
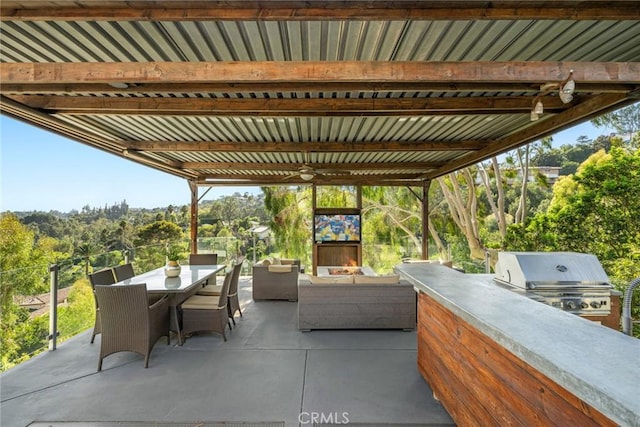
x=291, y=220
x=596, y=211
x=159, y=231
x=625, y=121
x=176, y=252
x=78, y=315
x=19, y=253
x=601, y=212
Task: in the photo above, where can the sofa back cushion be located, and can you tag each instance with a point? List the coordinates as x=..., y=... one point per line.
x=327, y=280
x=374, y=280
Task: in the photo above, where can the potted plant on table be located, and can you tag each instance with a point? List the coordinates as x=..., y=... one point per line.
x=174, y=254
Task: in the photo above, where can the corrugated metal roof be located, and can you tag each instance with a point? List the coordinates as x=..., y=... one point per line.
x=519, y=40
x=465, y=41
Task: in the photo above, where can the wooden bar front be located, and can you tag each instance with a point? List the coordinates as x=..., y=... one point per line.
x=481, y=383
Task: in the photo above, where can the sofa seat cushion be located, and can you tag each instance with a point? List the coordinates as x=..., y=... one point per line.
x=200, y=302
x=376, y=280
x=279, y=268
x=210, y=290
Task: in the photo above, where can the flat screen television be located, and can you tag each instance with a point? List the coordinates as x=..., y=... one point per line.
x=336, y=227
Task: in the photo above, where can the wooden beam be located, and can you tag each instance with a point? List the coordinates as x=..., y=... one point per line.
x=294, y=166
x=257, y=180
x=296, y=147
x=592, y=108
x=314, y=10
x=85, y=105
x=319, y=71
x=160, y=89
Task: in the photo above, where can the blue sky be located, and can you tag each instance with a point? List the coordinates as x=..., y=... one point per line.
x=43, y=171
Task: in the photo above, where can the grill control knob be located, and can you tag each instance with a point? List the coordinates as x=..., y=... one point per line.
x=584, y=305
x=571, y=305
x=595, y=304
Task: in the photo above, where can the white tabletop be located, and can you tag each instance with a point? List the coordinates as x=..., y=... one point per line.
x=190, y=275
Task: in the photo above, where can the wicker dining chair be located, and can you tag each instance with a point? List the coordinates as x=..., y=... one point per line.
x=203, y=259
x=207, y=313
x=215, y=290
x=129, y=323
x=123, y=272
x=233, y=300
x=102, y=277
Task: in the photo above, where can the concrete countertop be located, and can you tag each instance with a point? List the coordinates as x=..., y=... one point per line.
x=595, y=363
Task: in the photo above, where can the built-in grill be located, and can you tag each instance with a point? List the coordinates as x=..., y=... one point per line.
x=571, y=281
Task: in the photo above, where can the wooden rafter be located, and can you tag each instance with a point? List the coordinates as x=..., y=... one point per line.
x=158, y=89
x=592, y=108
x=277, y=167
x=257, y=179
x=284, y=107
x=319, y=71
x=315, y=10
x=296, y=147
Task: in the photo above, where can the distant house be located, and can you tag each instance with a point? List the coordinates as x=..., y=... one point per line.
x=551, y=173
x=261, y=231
x=39, y=304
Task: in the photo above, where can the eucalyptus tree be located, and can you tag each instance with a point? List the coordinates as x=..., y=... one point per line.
x=626, y=121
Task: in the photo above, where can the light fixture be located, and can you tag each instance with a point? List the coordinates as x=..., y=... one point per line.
x=565, y=93
x=567, y=88
x=538, y=108
x=565, y=97
x=306, y=176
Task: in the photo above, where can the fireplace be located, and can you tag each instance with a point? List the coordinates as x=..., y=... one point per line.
x=341, y=271
x=345, y=271
x=336, y=254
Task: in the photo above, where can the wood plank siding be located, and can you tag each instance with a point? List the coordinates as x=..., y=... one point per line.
x=479, y=382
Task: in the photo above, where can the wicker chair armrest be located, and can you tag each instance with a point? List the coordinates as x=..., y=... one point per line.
x=160, y=306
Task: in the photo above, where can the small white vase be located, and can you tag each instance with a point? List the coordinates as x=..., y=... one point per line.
x=172, y=269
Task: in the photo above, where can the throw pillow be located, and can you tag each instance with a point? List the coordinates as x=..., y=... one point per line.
x=279, y=269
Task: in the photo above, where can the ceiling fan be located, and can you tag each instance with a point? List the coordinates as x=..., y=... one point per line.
x=307, y=173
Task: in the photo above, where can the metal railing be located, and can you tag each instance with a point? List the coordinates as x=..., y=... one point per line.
x=66, y=272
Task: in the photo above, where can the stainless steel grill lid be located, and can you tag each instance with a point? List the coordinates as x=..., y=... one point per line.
x=551, y=270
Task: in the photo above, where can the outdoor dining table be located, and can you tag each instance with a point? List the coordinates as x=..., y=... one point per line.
x=178, y=288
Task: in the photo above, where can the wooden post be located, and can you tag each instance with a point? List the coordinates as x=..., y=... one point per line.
x=425, y=218
x=194, y=217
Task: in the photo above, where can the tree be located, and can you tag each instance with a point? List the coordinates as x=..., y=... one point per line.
x=159, y=232
x=625, y=121
x=601, y=212
x=596, y=211
x=291, y=220
x=22, y=264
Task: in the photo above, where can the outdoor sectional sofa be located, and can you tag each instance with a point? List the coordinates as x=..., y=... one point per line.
x=355, y=302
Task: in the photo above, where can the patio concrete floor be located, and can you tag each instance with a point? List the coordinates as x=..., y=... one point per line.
x=267, y=371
